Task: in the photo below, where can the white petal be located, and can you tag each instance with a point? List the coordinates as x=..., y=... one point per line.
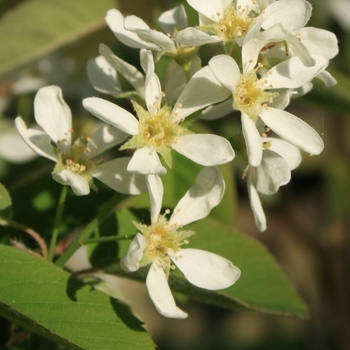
x=103, y=76
x=195, y=37
x=206, y=270
x=301, y=50
x=173, y=19
x=52, y=113
x=155, y=190
x=252, y=139
x=327, y=78
x=319, y=41
x=255, y=204
x=201, y=198
x=153, y=97
x=146, y=161
x=225, y=70
x=129, y=72
x=217, y=111
x=253, y=31
x=293, y=15
x=112, y=114
x=290, y=153
x=103, y=139
x=272, y=173
x=210, y=8
x=251, y=50
x=139, y=27
x=115, y=21
x=78, y=183
x=202, y=90
x=79, y=260
x=12, y=147
x=115, y=175
x=293, y=130
x=160, y=293
x=205, y=149
x=37, y=140
x=292, y=73
x=130, y=262
x=264, y=3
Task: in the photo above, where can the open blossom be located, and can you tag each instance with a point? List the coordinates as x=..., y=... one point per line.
x=76, y=162
x=134, y=32
x=103, y=74
x=237, y=22
x=254, y=98
x=158, y=129
x=278, y=159
x=160, y=243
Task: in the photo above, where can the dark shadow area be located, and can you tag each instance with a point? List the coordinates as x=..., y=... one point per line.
x=73, y=285
x=124, y=313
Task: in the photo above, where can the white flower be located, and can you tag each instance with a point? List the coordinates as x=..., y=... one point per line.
x=76, y=162
x=134, y=32
x=158, y=129
x=237, y=22
x=12, y=147
x=252, y=97
x=278, y=159
x=160, y=243
x=103, y=74
x=280, y=43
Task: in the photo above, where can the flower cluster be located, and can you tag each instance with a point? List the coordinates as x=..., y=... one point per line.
x=265, y=55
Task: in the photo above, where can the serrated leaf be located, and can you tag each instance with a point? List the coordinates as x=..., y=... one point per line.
x=47, y=300
x=5, y=204
x=37, y=27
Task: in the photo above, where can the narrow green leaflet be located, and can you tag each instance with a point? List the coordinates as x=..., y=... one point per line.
x=262, y=287
x=37, y=27
x=5, y=204
x=47, y=300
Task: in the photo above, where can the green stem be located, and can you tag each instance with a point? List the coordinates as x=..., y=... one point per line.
x=187, y=73
x=108, y=239
x=58, y=217
x=86, y=232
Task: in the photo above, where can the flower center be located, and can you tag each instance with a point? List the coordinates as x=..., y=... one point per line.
x=161, y=239
x=76, y=158
x=156, y=131
x=235, y=23
x=250, y=98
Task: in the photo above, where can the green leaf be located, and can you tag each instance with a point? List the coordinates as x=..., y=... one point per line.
x=262, y=287
x=49, y=301
x=5, y=204
x=37, y=27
